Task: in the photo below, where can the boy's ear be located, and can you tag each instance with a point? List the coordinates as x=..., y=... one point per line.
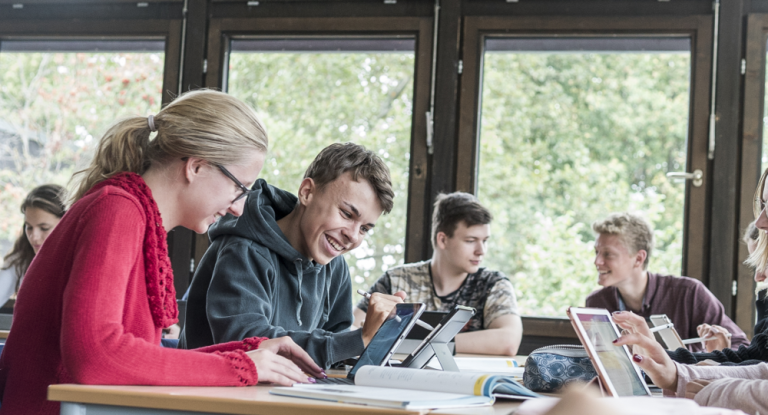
x=640, y=257
x=440, y=240
x=192, y=166
x=307, y=190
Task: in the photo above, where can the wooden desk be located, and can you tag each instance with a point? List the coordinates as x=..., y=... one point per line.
x=176, y=400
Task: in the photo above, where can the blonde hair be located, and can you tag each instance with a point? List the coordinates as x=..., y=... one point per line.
x=759, y=258
x=635, y=233
x=205, y=124
x=751, y=233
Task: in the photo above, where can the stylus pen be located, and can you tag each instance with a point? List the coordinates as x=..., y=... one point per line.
x=662, y=327
x=698, y=340
x=419, y=322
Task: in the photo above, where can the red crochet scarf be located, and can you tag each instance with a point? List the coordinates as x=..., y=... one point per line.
x=157, y=265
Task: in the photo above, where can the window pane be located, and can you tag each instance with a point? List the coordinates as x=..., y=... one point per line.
x=57, y=98
x=312, y=92
x=571, y=130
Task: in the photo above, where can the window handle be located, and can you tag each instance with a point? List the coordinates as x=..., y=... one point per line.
x=697, y=176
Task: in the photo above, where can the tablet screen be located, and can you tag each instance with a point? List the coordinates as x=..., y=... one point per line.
x=387, y=335
x=619, y=369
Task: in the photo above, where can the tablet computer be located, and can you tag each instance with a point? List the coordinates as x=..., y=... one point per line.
x=669, y=336
x=418, y=333
x=613, y=364
x=385, y=341
x=436, y=343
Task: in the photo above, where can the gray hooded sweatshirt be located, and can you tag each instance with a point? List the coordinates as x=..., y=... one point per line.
x=252, y=282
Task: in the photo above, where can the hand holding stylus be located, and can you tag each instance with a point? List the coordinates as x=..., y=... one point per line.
x=717, y=337
x=379, y=308
x=397, y=318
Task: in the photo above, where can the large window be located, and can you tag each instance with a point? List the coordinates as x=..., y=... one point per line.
x=57, y=98
x=572, y=129
x=311, y=92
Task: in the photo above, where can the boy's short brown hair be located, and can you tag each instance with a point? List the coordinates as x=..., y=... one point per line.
x=452, y=208
x=339, y=158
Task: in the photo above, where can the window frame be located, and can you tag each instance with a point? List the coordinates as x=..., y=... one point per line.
x=168, y=30
x=699, y=28
x=222, y=30
x=751, y=164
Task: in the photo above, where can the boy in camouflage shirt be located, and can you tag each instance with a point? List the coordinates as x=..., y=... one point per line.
x=460, y=231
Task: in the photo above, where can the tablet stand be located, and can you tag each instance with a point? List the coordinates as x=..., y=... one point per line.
x=434, y=349
x=438, y=340
x=437, y=347
x=444, y=356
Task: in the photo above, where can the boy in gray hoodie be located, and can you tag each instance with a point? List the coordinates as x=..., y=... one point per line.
x=277, y=270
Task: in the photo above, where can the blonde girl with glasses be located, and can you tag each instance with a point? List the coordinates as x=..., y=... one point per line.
x=95, y=300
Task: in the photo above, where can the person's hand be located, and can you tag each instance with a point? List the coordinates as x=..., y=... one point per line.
x=631, y=323
x=721, y=334
x=277, y=369
x=655, y=361
x=172, y=332
x=695, y=386
x=379, y=307
x=285, y=347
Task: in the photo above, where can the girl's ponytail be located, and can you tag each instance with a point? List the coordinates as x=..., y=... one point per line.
x=123, y=149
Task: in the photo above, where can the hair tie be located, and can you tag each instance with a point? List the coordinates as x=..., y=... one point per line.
x=151, y=122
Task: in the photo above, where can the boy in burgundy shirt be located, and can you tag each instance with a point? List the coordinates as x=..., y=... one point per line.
x=622, y=252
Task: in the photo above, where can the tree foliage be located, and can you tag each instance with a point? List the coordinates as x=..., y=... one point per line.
x=54, y=107
x=567, y=138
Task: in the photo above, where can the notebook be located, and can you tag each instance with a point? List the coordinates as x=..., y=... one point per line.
x=406, y=388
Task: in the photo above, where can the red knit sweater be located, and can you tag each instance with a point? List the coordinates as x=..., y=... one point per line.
x=82, y=315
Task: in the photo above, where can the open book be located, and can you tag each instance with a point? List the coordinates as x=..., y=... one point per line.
x=414, y=389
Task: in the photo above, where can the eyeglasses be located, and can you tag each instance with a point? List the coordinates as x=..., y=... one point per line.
x=242, y=187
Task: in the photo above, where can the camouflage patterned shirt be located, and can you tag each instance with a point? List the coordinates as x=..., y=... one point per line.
x=489, y=292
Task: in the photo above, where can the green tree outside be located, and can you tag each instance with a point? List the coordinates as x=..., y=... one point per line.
x=54, y=108
x=567, y=138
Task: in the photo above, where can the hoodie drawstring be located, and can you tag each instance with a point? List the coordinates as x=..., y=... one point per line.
x=300, y=272
x=327, y=307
